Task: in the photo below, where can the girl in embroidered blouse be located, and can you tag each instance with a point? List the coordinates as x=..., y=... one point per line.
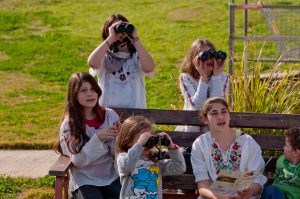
x=140, y=172
x=87, y=136
x=200, y=80
x=121, y=64
x=224, y=148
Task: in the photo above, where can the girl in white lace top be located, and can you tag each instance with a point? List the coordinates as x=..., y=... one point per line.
x=224, y=148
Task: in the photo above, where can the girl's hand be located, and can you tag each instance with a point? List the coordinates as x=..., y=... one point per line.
x=199, y=65
x=219, y=66
x=113, y=35
x=133, y=34
x=253, y=190
x=226, y=196
x=117, y=124
x=233, y=197
x=245, y=194
x=144, y=137
x=164, y=134
x=107, y=133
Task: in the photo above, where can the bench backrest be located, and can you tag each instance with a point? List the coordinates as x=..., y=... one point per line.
x=238, y=119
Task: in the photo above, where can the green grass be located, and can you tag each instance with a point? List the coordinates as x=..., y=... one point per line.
x=26, y=187
x=43, y=42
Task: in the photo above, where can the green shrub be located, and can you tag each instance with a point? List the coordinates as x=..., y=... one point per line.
x=272, y=93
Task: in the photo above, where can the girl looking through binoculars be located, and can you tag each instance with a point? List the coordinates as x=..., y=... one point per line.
x=202, y=76
x=140, y=172
x=121, y=64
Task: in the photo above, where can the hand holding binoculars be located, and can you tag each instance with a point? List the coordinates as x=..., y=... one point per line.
x=209, y=54
x=124, y=27
x=157, y=140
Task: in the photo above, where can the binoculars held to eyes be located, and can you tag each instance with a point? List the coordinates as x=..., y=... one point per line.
x=157, y=140
x=209, y=54
x=124, y=27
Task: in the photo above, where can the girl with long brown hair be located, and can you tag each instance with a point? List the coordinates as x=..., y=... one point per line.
x=87, y=136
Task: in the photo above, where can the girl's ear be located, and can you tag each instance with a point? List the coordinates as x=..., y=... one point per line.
x=203, y=118
x=297, y=153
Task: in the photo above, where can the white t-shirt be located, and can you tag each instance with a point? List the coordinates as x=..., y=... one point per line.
x=122, y=86
x=204, y=162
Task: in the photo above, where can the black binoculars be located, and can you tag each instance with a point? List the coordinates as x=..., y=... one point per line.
x=157, y=140
x=124, y=27
x=209, y=54
x=161, y=155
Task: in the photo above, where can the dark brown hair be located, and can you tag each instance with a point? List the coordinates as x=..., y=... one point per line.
x=111, y=19
x=131, y=127
x=207, y=105
x=75, y=112
x=105, y=33
x=293, y=136
x=187, y=66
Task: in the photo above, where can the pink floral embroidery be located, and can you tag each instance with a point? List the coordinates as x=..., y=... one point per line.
x=185, y=88
x=228, y=160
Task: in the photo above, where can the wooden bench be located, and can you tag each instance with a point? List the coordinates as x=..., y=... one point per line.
x=186, y=181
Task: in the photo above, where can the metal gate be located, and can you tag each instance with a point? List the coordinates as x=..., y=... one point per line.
x=269, y=33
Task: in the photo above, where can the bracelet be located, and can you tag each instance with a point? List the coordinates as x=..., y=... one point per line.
x=135, y=40
x=107, y=43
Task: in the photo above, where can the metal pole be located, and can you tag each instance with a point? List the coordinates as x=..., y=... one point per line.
x=231, y=50
x=231, y=39
x=246, y=39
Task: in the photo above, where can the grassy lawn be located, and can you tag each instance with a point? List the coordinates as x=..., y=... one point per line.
x=26, y=188
x=44, y=41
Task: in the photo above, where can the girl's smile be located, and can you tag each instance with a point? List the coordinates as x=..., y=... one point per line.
x=87, y=96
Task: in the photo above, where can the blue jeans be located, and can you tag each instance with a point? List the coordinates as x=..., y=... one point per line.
x=111, y=191
x=272, y=192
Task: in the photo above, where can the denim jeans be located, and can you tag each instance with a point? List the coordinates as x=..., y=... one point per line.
x=272, y=192
x=111, y=191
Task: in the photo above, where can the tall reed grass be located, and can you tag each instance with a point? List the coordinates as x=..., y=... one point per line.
x=274, y=92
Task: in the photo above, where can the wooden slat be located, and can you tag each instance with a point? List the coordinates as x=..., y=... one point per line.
x=184, y=182
x=168, y=117
x=61, y=166
x=238, y=119
x=183, y=138
x=264, y=120
x=266, y=142
x=270, y=142
x=174, y=195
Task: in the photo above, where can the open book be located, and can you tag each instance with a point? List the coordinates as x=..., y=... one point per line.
x=232, y=181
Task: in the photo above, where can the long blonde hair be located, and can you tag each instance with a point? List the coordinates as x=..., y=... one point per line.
x=187, y=66
x=131, y=127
